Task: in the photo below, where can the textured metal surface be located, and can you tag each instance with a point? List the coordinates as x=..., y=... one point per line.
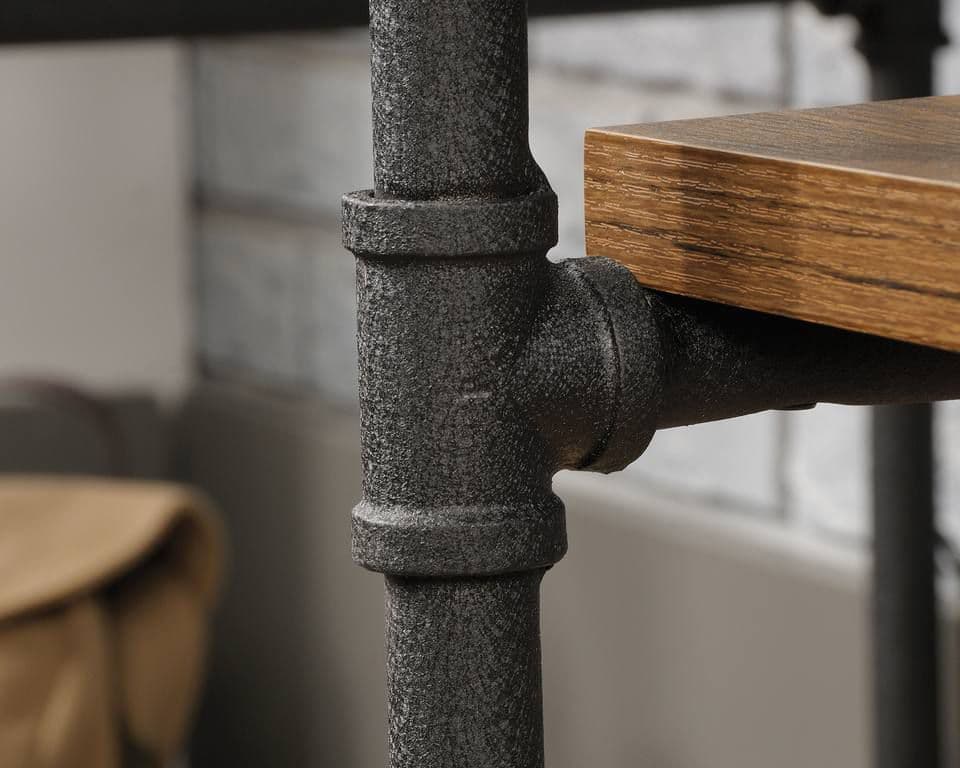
x=482, y=377
x=471, y=227
x=458, y=444
x=479, y=380
x=470, y=649
x=450, y=100
x=721, y=362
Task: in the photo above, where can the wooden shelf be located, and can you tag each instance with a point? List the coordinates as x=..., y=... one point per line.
x=847, y=216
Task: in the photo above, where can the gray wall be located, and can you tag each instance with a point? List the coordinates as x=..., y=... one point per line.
x=94, y=211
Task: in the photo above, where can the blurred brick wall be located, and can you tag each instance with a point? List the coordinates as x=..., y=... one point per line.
x=283, y=128
x=95, y=216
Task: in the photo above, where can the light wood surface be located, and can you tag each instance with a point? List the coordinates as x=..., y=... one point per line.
x=847, y=216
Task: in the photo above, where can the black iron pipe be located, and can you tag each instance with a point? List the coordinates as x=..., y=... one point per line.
x=905, y=647
x=464, y=672
x=898, y=39
x=450, y=116
x=457, y=509
x=721, y=362
x=33, y=21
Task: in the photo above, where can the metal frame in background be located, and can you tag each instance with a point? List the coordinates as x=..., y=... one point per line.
x=484, y=369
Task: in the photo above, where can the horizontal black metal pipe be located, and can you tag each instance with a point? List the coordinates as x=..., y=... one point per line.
x=29, y=21
x=721, y=362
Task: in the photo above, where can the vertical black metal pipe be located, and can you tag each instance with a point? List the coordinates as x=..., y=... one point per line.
x=464, y=672
x=904, y=604
x=462, y=525
x=899, y=41
x=450, y=107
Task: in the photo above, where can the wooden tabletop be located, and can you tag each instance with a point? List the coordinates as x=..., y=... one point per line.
x=847, y=216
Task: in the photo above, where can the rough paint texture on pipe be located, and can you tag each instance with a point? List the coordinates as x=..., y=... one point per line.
x=483, y=370
x=481, y=378
x=450, y=99
x=452, y=640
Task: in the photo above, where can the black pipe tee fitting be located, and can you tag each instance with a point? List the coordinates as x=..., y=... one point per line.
x=482, y=376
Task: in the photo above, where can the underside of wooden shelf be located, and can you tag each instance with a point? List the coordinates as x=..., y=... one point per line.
x=846, y=216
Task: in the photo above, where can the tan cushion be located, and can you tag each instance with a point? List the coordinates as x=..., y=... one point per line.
x=105, y=592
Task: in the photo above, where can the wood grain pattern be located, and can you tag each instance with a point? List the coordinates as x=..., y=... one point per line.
x=847, y=216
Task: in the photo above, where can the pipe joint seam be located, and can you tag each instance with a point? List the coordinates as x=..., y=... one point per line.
x=456, y=227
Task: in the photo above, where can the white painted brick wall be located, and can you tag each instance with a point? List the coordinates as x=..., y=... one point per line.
x=826, y=469
x=283, y=128
x=284, y=122
x=278, y=301
x=728, y=50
